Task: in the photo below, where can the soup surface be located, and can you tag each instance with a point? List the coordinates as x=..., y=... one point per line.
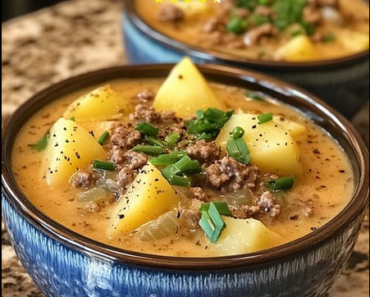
x=280, y=30
x=249, y=199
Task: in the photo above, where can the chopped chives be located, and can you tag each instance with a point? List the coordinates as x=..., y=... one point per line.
x=238, y=150
x=206, y=137
x=103, y=138
x=73, y=119
x=255, y=96
x=172, y=139
x=222, y=208
x=282, y=184
x=180, y=181
x=169, y=159
x=329, y=37
x=207, y=225
x=41, y=144
x=237, y=133
x=155, y=142
x=237, y=25
x=147, y=129
x=212, y=223
x=184, y=166
x=104, y=165
x=148, y=149
x=265, y=118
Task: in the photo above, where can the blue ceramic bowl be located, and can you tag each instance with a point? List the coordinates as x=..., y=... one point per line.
x=63, y=263
x=343, y=83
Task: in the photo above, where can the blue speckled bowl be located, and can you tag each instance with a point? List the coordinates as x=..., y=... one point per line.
x=343, y=83
x=63, y=263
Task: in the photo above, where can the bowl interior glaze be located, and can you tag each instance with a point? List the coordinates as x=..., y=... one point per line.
x=315, y=109
x=213, y=56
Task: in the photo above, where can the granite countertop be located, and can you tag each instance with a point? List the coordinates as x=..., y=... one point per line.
x=82, y=35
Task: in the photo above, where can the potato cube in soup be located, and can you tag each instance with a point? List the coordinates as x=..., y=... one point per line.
x=192, y=9
x=245, y=236
x=271, y=146
x=353, y=41
x=185, y=91
x=296, y=130
x=298, y=49
x=101, y=104
x=71, y=148
x=148, y=197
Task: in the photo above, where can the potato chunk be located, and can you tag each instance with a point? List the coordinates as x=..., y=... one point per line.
x=353, y=41
x=71, y=147
x=192, y=9
x=101, y=104
x=271, y=146
x=298, y=49
x=245, y=236
x=185, y=91
x=148, y=197
x=296, y=130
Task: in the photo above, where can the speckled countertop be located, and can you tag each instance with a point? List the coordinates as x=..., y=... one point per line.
x=81, y=35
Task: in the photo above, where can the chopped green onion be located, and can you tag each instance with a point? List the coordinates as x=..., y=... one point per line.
x=166, y=160
x=265, y=118
x=237, y=25
x=180, y=181
x=155, y=142
x=264, y=2
x=222, y=208
x=259, y=20
x=219, y=117
x=206, y=137
x=41, y=144
x=183, y=166
x=309, y=28
x=104, y=165
x=329, y=38
x=148, y=149
x=237, y=133
x=173, y=139
x=147, y=129
x=103, y=138
x=238, y=150
x=288, y=12
x=255, y=97
x=212, y=223
x=296, y=33
x=73, y=119
x=282, y=184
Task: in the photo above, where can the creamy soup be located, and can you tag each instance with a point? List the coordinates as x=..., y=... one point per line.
x=144, y=179
x=280, y=30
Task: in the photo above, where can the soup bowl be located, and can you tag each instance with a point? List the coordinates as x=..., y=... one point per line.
x=64, y=263
x=343, y=82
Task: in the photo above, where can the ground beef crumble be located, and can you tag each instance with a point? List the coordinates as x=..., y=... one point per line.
x=199, y=194
x=84, y=178
x=125, y=137
x=170, y=13
x=204, y=152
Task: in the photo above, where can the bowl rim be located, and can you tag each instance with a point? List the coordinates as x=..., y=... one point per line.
x=111, y=254
x=213, y=56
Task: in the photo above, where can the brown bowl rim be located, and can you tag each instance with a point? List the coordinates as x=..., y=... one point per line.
x=111, y=254
x=214, y=56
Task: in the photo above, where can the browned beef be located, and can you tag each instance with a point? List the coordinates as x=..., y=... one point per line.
x=123, y=158
x=323, y=3
x=255, y=35
x=312, y=14
x=245, y=212
x=146, y=95
x=191, y=218
x=199, y=194
x=268, y=203
x=148, y=114
x=229, y=175
x=84, y=178
x=126, y=176
x=125, y=137
x=204, y=152
x=170, y=13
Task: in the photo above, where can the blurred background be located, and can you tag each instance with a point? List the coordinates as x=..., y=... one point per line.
x=14, y=8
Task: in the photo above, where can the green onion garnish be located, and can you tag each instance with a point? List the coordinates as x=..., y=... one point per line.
x=166, y=160
x=237, y=25
x=103, y=138
x=155, y=142
x=148, y=149
x=104, y=165
x=265, y=118
x=206, y=137
x=222, y=208
x=183, y=166
x=180, y=181
x=329, y=37
x=238, y=150
x=237, y=133
x=73, y=119
x=255, y=96
x=41, y=144
x=173, y=139
x=212, y=223
x=282, y=184
x=147, y=129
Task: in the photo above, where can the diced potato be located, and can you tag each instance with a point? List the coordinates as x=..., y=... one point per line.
x=101, y=104
x=149, y=196
x=353, y=41
x=296, y=130
x=271, y=146
x=245, y=236
x=71, y=147
x=298, y=49
x=191, y=9
x=185, y=91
